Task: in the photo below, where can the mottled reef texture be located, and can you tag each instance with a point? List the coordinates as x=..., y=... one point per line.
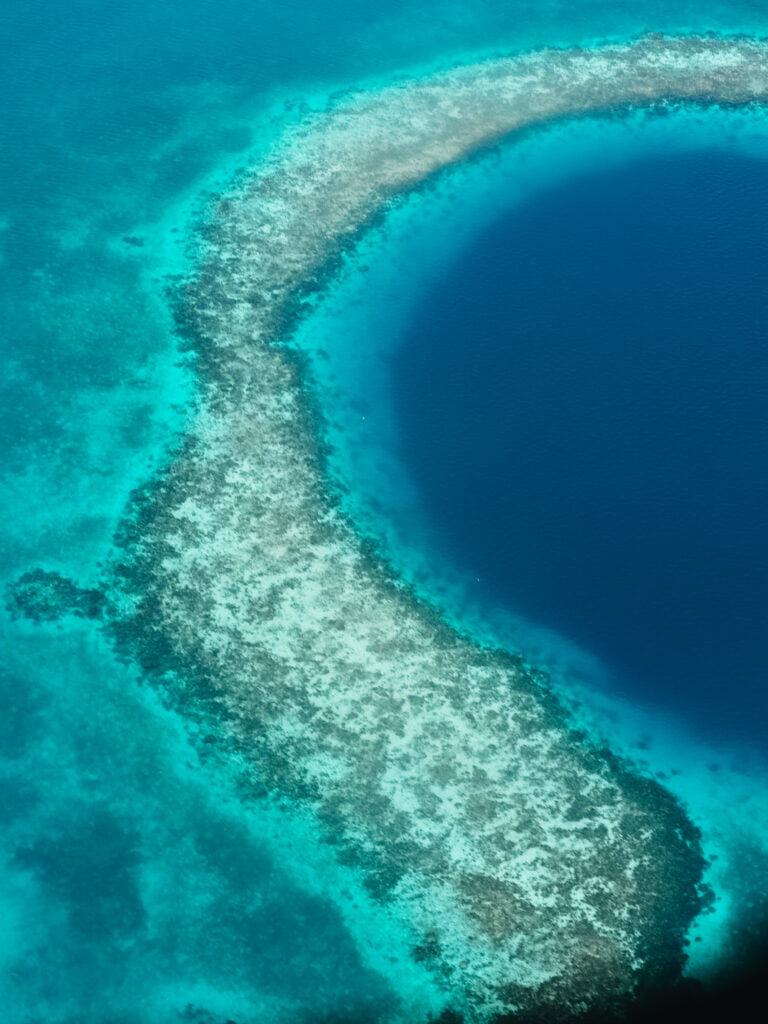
x=533, y=871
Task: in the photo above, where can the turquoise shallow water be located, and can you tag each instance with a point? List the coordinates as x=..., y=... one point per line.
x=135, y=886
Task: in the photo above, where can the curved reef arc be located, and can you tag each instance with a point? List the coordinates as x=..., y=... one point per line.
x=533, y=871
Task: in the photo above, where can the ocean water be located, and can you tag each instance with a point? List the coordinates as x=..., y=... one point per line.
x=136, y=885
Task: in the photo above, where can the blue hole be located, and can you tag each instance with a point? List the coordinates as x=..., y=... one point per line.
x=583, y=400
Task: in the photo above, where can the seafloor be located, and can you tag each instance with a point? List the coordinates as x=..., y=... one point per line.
x=509, y=863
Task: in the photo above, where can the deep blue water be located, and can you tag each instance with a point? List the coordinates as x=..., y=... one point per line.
x=582, y=401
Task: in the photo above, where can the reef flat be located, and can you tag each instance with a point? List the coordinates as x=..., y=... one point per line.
x=533, y=871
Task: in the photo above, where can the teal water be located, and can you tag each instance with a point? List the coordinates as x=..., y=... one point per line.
x=135, y=886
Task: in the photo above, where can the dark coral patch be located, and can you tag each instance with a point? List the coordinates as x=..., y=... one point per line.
x=46, y=596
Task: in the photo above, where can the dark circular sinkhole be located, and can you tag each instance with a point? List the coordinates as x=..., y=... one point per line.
x=583, y=403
